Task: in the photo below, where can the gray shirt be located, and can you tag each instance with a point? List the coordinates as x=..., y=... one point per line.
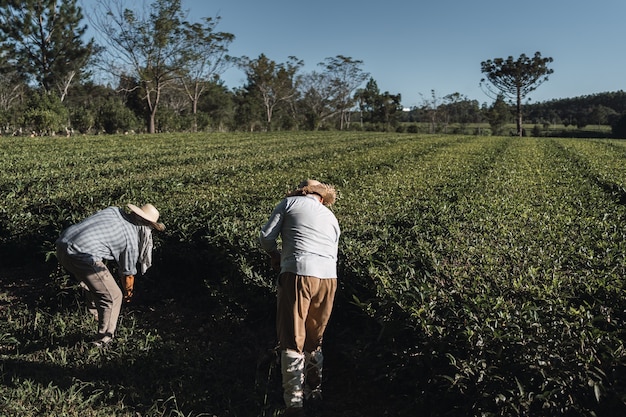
x=107, y=234
x=309, y=233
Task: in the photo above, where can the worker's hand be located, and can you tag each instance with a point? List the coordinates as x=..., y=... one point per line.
x=275, y=261
x=128, y=285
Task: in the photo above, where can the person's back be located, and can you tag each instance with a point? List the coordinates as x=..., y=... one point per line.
x=310, y=238
x=306, y=286
x=106, y=234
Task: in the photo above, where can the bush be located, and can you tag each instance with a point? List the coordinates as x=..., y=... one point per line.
x=82, y=120
x=45, y=114
x=115, y=117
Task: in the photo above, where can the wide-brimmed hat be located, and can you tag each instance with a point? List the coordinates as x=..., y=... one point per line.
x=326, y=191
x=150, y=214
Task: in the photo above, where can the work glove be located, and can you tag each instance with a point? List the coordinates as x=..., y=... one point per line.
x=128, y=285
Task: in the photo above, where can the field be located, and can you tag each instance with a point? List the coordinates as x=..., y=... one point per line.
x=479, y=276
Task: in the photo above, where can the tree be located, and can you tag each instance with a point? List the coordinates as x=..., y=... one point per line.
x=206, y=60
x=431, y=108
x=600, y=115
x=216, y=106
x=498, y=115
x=85, y=102
x=316, y=95
x=368, y=99
x=274, y=83
x=150, y=47
x=376, y=107
x=12, y=92
x=619, y=128
x=515, y=79
x=345, y=76
x=44, y=39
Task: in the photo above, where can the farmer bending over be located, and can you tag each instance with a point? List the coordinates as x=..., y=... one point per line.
x=110, y=234
x=306, y=285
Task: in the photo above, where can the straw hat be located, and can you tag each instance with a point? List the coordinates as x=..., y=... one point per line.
x=150, y=214
x=326, y=191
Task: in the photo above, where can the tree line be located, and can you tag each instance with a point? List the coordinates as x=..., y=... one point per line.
x=454, y=113
x=152, y=70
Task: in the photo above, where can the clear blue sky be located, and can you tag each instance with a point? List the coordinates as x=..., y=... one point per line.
x=414, y=46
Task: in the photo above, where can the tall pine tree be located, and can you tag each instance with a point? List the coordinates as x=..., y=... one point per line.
x=515, y=79
x=43, y=38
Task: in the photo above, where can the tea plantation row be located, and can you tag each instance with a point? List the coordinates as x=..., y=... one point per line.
x=479, y=275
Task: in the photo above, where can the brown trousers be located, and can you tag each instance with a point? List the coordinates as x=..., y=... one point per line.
x=304, y=305
x=103, y=290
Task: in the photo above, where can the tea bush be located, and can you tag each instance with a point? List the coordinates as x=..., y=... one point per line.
x=479, y=275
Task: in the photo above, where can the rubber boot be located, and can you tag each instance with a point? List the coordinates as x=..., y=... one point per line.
x=313, y=362
x=292, y=368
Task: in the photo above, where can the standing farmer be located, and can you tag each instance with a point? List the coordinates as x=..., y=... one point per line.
x=306, y=285
x=113, y=235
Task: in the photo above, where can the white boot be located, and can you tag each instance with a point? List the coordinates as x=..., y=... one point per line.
x=313, y=363
x=292, y=367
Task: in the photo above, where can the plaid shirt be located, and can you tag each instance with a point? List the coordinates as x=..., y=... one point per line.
x=107, y=234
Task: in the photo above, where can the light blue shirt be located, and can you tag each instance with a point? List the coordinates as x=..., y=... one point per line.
x=309, y=234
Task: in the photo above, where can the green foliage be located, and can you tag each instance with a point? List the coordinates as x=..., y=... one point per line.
x=479, y=275
x=376, y=108
x=619, y=128
x=498, y=115
x=115, y=117
x=273, y=85
x=515, y=79
x=45, y=114
x=162, y=52
x=45, y=40
x=82, y=120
